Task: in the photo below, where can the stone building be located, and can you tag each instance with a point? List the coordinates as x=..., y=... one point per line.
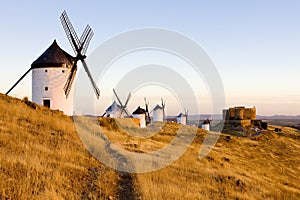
x=239, y=115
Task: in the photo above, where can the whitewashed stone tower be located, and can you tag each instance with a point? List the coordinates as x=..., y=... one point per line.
x=114, y=110
x=181, y=119
x=158, y=114
x=140, y=114
x=50, y=72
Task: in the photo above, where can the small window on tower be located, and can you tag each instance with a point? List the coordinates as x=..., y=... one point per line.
x=46, y=70
x=46, y=88
x=63, y=71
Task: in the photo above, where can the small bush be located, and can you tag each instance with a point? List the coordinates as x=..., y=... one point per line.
x=109, y=123
x=25, y=99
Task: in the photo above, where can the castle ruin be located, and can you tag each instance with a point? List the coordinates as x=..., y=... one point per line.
x=239, y=115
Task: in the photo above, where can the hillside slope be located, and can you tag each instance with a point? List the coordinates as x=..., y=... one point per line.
x=266, y=166
x=42, y=157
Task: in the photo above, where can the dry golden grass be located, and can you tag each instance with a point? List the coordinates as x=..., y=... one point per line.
x=42, y=157
x=263, y=167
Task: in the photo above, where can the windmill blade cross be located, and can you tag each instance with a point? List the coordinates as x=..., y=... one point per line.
x=80, y=48
x=123, y=107
x=117, y=97
x=85, y=38
x=119, y=102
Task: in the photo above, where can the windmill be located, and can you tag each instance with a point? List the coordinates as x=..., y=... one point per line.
x=148, y=119
x=49, y=73
x=114, y=110
x=54, y=71
x=163, y=104
x=80, y=47
x=123, y=107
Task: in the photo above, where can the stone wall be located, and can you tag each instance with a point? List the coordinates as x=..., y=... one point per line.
x=239, y=113
x=243, y=123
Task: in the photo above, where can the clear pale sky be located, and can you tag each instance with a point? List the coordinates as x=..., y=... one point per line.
x=255, y=45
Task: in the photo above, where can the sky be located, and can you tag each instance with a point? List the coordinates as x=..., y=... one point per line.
x=255, y=45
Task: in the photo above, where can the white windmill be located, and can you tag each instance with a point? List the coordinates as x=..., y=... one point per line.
x=205, y=125
x=114, y=110
x=158, y=114
x=54, y=71
x=182, y=118
x=140, y=114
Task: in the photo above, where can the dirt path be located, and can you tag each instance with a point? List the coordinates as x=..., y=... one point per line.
x=126, y=189
x=91, y=186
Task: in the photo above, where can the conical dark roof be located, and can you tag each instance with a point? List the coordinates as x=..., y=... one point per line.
x=157, y=107
x=139, y=111
x=181, y=115
x=207, y=121
x=54, y=56
x=114, y=107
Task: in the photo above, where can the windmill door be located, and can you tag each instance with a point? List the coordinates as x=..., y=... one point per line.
x=46, y=102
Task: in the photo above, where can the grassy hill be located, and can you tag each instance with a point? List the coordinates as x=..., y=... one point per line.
x=42, y=157
x=263, y=167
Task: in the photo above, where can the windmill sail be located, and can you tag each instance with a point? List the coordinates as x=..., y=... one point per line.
x=163, y=104
x=80, y=47
x=148, y=119
x=85, y=39
x=96, y=89
x=70, y=80
x=123, y=108
x=69, y=30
